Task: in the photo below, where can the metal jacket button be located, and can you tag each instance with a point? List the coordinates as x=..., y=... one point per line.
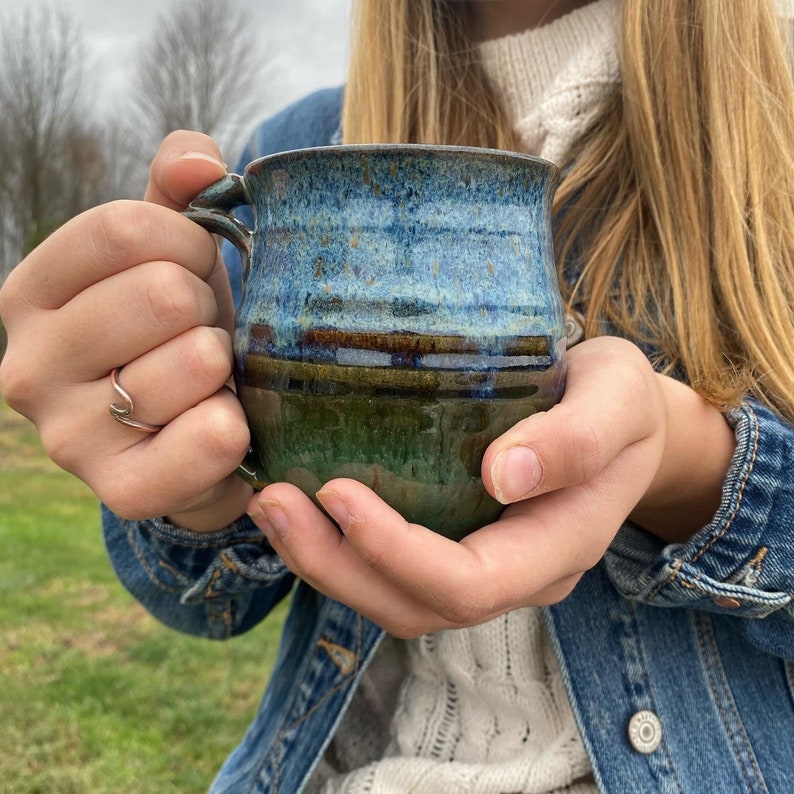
x=726, y=602
x=645, y=732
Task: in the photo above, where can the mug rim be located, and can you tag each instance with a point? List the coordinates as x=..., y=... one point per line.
x=338, y=150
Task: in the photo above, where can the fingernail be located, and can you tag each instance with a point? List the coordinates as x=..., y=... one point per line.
x=270, y=514
x=516, y=472
x=204, y=157
x=335, y=507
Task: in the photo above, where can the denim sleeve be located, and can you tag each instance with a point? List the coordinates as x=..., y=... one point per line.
x=222, y=583
x=742, y=563
x=213, y=585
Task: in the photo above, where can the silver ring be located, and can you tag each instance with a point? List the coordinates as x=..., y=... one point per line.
x=123, y=413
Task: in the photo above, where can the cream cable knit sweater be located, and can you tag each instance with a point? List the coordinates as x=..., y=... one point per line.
x=483, y=710
x=551, y=80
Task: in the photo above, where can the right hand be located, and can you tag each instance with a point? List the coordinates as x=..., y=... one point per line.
x=134, y=285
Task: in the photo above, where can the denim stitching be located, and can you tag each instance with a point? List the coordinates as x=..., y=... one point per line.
x=788, y=667
x=752, y=571
x=679, y=562
x=220, y=617
x=209, y=590
x=228, y=563
x=634, y=653
x=172, y=570
x=128, y=529
x=670, y=579
x=224, y=556
x=342, y=657
x=702, y=590
x=746, y=477
x=723, y=700
x=232, y=536
x=318, y=705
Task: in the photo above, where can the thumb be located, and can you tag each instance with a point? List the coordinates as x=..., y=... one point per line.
x=611, y=401
x=185, y=164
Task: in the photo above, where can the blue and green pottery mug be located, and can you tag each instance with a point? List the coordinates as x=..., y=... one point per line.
x=400, y=311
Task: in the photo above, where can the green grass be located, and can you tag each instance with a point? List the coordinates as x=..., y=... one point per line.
x=95, y=695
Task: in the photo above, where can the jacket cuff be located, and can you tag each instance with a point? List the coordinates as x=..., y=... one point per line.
x=211, y=584
x=208, y=564
x=740, y=563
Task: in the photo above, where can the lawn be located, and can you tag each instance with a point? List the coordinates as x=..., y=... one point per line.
x=95, y=695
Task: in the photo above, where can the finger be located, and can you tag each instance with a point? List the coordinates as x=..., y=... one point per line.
x=547, y=542
x=185, y=164
x=106, y=326
x=100, y=243
x=537, y=546
x=140, y=475
x=176, y=376
x=131, y=313
x=454, y=580
x=177, y=469
x=313, y=548
x=609, y=403
x=445, y=577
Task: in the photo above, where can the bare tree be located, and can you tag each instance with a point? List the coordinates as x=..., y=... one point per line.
x=41, y=57
x=127, y=170
x=202, y=71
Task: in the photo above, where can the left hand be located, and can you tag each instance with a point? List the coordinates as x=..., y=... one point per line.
x=595, y=455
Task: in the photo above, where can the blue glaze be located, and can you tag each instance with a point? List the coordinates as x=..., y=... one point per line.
x=400, y=310
x=442, y=240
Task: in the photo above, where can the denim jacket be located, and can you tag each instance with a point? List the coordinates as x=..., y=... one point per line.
x=677, y=658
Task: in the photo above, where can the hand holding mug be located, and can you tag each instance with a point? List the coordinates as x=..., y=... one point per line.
x=136, y=286
x=400, y=311
x=570, y=475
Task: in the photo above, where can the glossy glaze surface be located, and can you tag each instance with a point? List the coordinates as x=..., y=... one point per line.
x=399, y=312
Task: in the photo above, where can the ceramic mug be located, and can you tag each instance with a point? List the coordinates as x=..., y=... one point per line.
x=400, y=311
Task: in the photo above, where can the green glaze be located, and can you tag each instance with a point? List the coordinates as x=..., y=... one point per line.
x=400, y=311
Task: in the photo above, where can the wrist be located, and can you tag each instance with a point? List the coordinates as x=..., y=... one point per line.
x=223, y=510
x=687, y=488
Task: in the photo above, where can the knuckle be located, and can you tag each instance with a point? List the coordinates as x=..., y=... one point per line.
x=459, y=614
x=586, y=450
x=465, y=609
x=407, y=630
x=121, y=496
x=226, y=437
x=17, y=380
x=129, y=490
x=208, y=359
x=559, y=591
x=8, y=296
x=116, y=230
x=311, y=567
x=632, y=369
x=174, y=296
x=61, y=444
x=374, y=558
x=311, y=561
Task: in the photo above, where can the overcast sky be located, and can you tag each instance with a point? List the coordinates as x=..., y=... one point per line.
x=305, y=40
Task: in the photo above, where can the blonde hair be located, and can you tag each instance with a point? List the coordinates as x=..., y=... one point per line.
x=414, y=78
x=679, y=203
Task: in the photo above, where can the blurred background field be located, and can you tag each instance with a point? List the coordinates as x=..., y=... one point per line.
x=95, y=695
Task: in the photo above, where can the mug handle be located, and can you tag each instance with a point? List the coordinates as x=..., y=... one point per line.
x=212, y=209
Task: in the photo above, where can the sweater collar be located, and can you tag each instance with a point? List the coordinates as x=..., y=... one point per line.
x=552, y=80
